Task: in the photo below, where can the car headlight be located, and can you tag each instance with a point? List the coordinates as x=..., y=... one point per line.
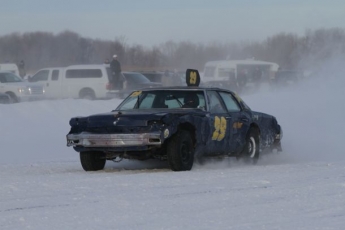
x=23, y=90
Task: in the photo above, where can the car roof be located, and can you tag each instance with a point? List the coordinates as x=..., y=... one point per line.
x=7, y=71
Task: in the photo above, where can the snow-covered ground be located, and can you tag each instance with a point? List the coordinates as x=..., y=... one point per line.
x=43, y=185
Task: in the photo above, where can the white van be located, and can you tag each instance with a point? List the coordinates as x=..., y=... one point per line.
x=10, y=67
x=239, y=72
x=75, y=81
x=85, y=81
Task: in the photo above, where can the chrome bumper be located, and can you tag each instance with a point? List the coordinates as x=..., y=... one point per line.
x=280, y=135
x=31, y=97
x=113, y=140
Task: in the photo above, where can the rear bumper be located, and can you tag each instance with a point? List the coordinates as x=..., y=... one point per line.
x=113, y=140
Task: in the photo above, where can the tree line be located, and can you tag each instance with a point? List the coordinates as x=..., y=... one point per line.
x=290, y=51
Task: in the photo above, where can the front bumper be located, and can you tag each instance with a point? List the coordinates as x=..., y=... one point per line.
x=280, y=135
x=113, y=140
x=31, y=97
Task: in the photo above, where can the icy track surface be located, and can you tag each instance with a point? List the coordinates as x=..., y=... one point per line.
x=44, y=187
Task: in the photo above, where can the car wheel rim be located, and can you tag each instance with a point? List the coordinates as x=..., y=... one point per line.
x=252, y=147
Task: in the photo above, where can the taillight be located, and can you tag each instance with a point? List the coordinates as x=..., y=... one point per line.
x=109, y=86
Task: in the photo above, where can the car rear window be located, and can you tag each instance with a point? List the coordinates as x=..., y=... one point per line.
x=83, y=73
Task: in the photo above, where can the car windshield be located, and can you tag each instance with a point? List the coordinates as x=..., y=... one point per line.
x=9, y=77
x=164, y=99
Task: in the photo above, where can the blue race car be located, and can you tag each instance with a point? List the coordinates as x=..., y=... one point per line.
x=177, y=124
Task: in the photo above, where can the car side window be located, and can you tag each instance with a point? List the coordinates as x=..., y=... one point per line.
x=230, y=102
x=84, y=73
x=243, y=104
x=215, y=104
x=55, y=75
x=3, y=78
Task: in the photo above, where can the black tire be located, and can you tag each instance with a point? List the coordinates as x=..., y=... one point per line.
x=251, y=150
x=88, y=94
x=180, y=151
x=92, y=161
x=13, y=98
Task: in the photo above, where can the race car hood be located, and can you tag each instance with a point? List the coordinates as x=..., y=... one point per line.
x=260, y=115
x=266, y=120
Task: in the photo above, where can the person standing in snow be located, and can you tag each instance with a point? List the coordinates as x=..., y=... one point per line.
x=21, y=68
x=117, y=78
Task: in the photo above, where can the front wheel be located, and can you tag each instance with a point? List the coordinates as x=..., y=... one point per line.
x=251, y=150
x=180, y=151
x=13, y=98
x=92, y=161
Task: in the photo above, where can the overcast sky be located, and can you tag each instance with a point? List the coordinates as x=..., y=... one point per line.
x=152, y=22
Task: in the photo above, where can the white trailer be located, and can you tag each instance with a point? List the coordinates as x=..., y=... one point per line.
x=238, y=73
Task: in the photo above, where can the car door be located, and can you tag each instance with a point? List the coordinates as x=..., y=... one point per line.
x=53, y=86
x=42, y=76
x=240, y=120
x=219, y=122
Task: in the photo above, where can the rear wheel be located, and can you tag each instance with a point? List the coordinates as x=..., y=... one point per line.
x=92, y=161
x=88, y=94
x=180, y=151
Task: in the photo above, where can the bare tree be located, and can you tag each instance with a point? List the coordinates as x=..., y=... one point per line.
x=42, y=49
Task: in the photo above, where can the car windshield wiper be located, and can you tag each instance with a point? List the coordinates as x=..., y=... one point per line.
x=178, y=101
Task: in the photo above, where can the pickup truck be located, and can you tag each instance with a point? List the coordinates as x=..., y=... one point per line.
x=19, y=90
x=4, y=98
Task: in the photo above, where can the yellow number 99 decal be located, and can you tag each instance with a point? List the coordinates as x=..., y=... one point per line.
x=192, y=79
x=220, y=128
x=136, y=93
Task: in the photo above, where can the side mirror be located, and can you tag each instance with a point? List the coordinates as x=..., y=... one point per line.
x=29, y=78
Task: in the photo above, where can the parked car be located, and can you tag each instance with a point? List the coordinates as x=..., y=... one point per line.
x=154, y=76
x=19, y=90
x=133, y=80
x=176, y=124
x=167, y=78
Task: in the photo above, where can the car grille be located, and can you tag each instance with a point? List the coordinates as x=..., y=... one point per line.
x=36, y=90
